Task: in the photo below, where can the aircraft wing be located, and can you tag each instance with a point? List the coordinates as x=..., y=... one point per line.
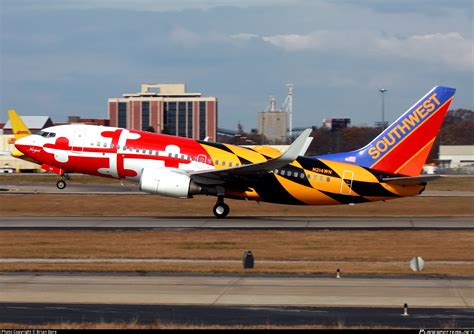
x=291, y=154
x=409, y=180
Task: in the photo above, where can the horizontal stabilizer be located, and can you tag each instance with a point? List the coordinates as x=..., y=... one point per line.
x=410, y=181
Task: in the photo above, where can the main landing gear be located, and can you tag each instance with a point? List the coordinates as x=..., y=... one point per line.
x=221, y=210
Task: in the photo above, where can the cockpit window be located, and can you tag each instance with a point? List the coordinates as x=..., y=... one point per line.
x=46, y=134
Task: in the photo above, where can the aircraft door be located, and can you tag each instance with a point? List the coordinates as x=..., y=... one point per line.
x=346, y=182
x=78, y=141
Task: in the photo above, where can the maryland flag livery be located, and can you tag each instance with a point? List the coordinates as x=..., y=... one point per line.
x=388, y=167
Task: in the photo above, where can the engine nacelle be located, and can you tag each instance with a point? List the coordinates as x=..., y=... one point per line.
x=167, y=182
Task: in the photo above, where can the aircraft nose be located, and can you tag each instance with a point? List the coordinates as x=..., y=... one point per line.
x=22, y=144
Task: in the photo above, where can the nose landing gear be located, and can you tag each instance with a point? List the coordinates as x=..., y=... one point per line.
x=61, y=184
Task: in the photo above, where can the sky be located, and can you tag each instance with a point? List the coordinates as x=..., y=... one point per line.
x=67, y=57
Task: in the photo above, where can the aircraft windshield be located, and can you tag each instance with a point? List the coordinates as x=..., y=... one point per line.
x=46, y=134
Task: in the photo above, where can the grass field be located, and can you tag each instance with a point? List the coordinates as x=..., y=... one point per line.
x=353, y=252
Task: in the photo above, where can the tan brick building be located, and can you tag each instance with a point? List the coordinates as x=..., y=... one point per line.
x=166, y=108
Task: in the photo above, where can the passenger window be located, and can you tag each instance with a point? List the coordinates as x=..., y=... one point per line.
x=283, y=172
x=295, y=174
x=170, y=155
x=315, y=178
x=216, y=162
x=182, y=156
x=308, y=176
x=176, y=155
x=302, y=175
x=138, y=150
x=328, y=179
x=223, y=163
x=202, y=159
x=51, y=135
x=276, y=171
x=157, y=152
x=230, y=164
x=105, y=144
x=321, y=178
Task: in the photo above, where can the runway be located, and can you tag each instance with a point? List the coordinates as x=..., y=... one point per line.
x=240, y=299
x=243, y=223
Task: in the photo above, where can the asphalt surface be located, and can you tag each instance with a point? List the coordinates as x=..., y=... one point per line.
x=243, y=223
x=235, y=290
x=43, y=313
x=240, y=300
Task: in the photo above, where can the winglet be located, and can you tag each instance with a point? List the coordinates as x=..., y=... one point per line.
x=287, y=157
x=306, y=146
x=296, y=148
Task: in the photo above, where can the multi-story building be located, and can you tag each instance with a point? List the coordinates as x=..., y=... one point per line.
x=166, y=108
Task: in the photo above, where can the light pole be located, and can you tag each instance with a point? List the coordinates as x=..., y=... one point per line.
x=383, y=90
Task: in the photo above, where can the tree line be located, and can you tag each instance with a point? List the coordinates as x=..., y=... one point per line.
x=457, y=129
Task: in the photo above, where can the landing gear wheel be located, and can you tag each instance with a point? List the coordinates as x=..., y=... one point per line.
x=61, y=184
x=221, y=210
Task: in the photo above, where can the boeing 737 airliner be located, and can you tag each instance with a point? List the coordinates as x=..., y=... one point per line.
x=387, y=168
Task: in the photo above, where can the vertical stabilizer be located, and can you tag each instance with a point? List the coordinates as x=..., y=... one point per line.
x=404, y=146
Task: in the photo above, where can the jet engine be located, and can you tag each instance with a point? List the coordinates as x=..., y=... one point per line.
x=167, y=182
